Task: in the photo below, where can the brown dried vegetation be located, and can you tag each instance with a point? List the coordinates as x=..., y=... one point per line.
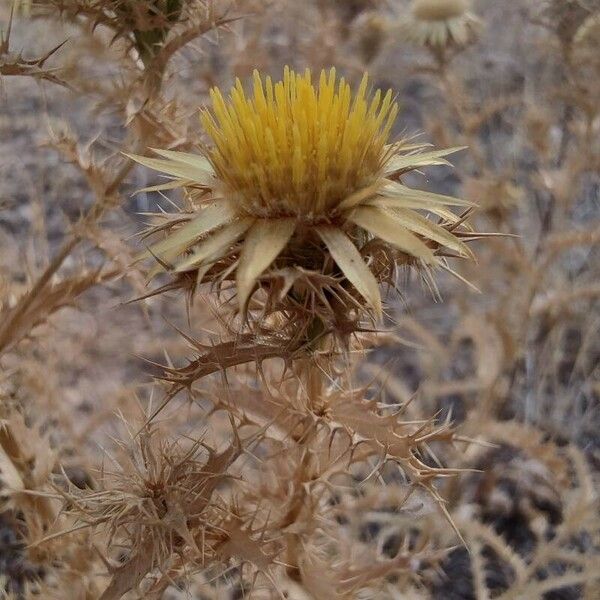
x=158, y=442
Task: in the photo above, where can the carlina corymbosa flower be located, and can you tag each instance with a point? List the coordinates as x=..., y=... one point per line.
x=440, y=23
x=301, y=178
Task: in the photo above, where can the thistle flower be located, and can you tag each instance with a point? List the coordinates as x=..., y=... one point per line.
x=301, y=178
x=440, y=23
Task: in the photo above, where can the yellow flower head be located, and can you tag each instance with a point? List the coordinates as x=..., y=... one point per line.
x=300, y=182
x=440, y=23
x=295, y=149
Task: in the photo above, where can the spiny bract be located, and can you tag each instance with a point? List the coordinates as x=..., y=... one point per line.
x=299, y=166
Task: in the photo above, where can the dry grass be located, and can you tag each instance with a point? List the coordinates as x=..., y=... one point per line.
x=156, y=442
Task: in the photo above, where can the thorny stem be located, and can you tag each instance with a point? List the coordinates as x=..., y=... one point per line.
x=9, y=324
x=93, y=214
x=97, y=210
x=454, y=97
x=294, y=541
x=155, y=73
x=311, y=382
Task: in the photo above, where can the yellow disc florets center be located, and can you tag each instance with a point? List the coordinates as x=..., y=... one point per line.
x=439, y=10
x=296, y=149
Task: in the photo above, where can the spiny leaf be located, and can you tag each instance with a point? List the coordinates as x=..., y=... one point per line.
x=209, y=218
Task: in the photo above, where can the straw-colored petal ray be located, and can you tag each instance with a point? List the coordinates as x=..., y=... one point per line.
x=215, y=245
x=263, y=244
x=406, y=197
x=393, y=203
x=378, y=222
x=402, y=162
x=352, y=264
x=176, y=168
x=197, y=161
x=358, y=198
x=172, y=184
x=422, y=226
x=209, y=218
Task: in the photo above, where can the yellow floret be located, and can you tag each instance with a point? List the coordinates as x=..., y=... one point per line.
x=293, y=149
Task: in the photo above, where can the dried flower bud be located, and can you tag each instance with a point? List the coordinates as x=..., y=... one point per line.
x=371, y=32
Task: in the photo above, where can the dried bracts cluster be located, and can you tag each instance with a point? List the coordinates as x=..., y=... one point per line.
x=151, y=30
x=296, y=429
x=301, y=197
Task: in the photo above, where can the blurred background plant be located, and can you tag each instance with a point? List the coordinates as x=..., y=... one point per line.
x=483, y=406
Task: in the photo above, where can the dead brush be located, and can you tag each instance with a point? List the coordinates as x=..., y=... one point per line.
x=528, y=357
x=160, y=506
x=268, y=460
x=30, y=476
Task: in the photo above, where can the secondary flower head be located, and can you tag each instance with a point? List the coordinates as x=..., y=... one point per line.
x=440, y=23
x=301, y=186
